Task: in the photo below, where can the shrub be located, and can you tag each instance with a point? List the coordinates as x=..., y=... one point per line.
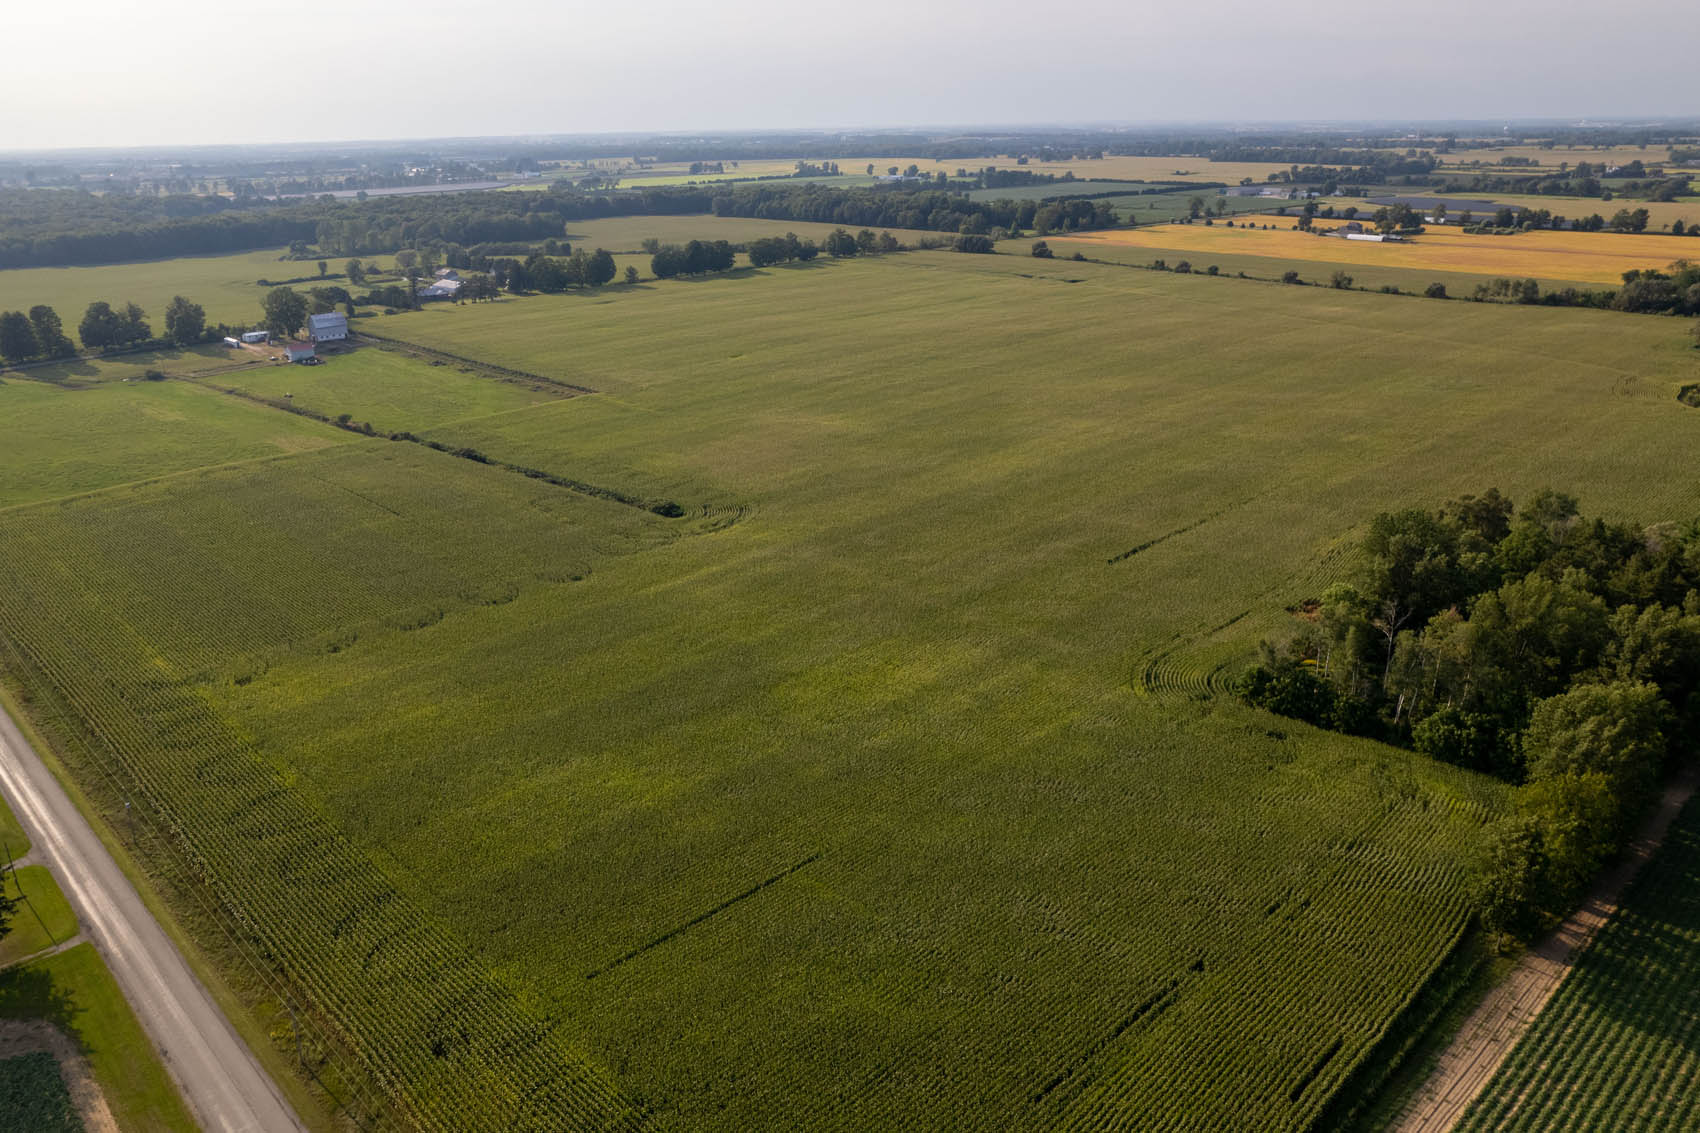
x=973, y=243
x=1435, y=291
x=1289, y=689
x=1291, y=277
x=1041, y=250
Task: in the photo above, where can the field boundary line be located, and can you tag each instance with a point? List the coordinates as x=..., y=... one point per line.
x=1494, y=1028
x=443, y=355
x=665, y=508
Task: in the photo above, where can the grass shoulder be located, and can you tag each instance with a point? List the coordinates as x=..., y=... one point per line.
x=74, y=991
x=248, y=1016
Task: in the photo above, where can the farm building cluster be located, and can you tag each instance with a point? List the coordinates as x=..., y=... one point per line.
x=329, y=327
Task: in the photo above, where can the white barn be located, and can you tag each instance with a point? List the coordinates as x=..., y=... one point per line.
x=332, y=327
x=442, y=289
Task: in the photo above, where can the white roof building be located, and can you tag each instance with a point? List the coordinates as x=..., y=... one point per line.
x=442, y=289
x=332, y=327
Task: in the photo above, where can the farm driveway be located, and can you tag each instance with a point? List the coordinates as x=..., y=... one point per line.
x=1490, y=1032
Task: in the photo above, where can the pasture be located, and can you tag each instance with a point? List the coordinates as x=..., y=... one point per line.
x=224, y=285
x=59, y=441
x=1597, y=258
x=1616, y=1047
x=390, y=389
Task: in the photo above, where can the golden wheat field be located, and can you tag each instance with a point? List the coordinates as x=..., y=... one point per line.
x=1590, y=257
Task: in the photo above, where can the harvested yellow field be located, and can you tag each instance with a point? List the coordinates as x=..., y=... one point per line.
x=1590, y=257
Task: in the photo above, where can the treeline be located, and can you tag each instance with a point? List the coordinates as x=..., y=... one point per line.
x=904, y=207
x=40, y=334
x=46, y=227
x=1644, y=292
x=1581, y=180
x=50, y=227
x=1559, y=653
x=1375, y=164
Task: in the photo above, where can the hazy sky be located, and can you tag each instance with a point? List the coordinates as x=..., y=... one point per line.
x=136, y=72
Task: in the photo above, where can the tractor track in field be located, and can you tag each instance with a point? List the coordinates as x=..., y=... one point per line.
x=1493, y=1029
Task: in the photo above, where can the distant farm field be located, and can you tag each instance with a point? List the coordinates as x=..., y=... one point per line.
x=889, y=785
x=1119, y=168
x=1364, y=275
x=1618, y=1046
x=1661, y=214
x=1590, y=257
x=1551, y=158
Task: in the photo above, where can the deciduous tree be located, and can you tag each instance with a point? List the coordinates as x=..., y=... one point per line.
x=17, y=337
x=185, y=322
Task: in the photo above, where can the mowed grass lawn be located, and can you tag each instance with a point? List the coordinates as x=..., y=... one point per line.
x=1590, y=257
x=75, y=992
x=853, y=812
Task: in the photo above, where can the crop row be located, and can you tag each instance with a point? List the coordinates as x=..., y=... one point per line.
x=1618, y=1047
x=452, y=1048
x=1188, y=946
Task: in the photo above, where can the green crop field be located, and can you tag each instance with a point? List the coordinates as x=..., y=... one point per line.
x=887, y=786
x=1618, y=1046
x=33, y=1095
